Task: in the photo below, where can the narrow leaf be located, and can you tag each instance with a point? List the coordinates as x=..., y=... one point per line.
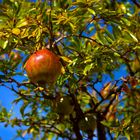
x=5, y=44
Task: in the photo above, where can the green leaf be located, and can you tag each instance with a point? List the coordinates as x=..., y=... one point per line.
x=3, y=21
x=109, y=34
x=50, y=137
x=66, y=59
x=24, y=32
x=30, y=130
x=116, y=54
x=22, y=109
x=16, y=31
x=3, y=43
x=108, y=39
x=116, y=31
x=38, y=36
x=127, y=122
x=3, y=77
x=101, y=39
x=87, y=69
x=80, y=4
x=91, y=11
x=4, y=111
x=126, y=21
x=130, y=36
x=108, y=124
x=133, y=36
x=21, y=23
x=17, y=100
x=127, y=134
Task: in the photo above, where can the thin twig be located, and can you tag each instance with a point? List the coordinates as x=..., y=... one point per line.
x=136, y=3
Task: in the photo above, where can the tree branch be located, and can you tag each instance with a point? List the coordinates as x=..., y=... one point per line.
x=76, y=128
x=100, y=128
x=136, y=3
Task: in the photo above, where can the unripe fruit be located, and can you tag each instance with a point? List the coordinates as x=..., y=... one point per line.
x=43, y=67
x=2, y=57
x=136, y=65
x=15, y=56
x=65, y=106
x=88, y=123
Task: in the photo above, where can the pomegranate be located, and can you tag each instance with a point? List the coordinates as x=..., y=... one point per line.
x=15, y=56
x=43, y=67
x=65, y=106
x=88, y=123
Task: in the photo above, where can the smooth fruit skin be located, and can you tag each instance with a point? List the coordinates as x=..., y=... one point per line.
x=2, y=57
x=43, y=67
x=135, y=65
x=88, y=123
x=65, y=106
x=15, y=56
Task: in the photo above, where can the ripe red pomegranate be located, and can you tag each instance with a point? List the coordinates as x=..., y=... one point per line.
x=43, y=67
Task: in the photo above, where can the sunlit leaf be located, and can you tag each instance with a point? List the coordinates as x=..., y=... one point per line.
x=127, y=134
x=126, y=21
x=23, y=22
x=24, y=133
x=129, y=36
x=24, y=32
x=16, y=31
x=91, y=11
x=4, y=44
x=101, y=39
x=66, y=59
x=87, y=68
x=117, y=31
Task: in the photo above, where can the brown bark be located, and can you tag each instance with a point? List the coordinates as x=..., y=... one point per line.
x=100, y=128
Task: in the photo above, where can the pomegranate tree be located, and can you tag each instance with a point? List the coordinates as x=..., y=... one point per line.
x=43, y=67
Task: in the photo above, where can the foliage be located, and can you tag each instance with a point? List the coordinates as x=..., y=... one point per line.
x=93, y=38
